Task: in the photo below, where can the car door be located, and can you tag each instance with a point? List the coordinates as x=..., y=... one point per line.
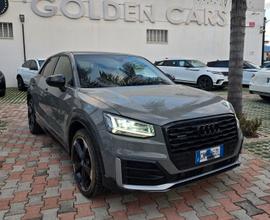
x=173, y=68
x=188, y=72
x=59, y=101
x=41, y=96
x=24, y=71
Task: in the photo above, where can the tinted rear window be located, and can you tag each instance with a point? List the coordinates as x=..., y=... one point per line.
x=221, y=64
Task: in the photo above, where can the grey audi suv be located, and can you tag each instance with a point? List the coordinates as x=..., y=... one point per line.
x=127, y=125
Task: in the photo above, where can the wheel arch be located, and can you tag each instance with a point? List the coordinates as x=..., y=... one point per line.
x=204, y=75
x=19, y=76
x=77, y=123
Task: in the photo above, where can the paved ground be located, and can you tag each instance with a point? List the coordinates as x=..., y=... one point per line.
x=36, y=182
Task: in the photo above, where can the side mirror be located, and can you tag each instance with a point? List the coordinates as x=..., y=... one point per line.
x=57, y=81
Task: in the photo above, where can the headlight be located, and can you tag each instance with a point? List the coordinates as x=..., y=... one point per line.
x=230, y=106
x=128, y=127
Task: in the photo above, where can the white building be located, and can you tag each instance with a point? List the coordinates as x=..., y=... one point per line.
x=196, y=29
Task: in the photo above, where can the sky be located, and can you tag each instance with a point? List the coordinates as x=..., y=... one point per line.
x=267, y=14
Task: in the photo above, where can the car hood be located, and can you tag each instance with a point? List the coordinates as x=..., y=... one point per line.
x=160, y=104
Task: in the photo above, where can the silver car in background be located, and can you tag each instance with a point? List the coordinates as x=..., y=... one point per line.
x=28, y=70
x=192, y=72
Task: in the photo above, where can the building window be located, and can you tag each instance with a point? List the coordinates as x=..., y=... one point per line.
x=155, y=36
x=6, y=30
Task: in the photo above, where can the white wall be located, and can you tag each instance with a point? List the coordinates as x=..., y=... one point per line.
x=46, y=36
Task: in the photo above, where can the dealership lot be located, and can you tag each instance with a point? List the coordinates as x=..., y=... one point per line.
x=36, y=179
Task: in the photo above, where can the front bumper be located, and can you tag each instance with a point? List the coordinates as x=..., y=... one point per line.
x=221, y=81
x=151, y=162
x=167, y=186
x=259, y=89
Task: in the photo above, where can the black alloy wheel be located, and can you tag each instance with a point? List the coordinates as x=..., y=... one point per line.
x=20, y=83
x=85, y=165
x=205, y=83
x=33, y=125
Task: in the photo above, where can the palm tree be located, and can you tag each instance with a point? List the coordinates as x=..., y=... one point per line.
x=238, y=23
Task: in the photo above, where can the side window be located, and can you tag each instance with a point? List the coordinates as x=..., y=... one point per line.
x=64, y=67
x=226, y=64
x=33, y=65
x=159, y=63
x=49, y=66
x=27, y=64
x=172, y=63
x=222, y=64
x=211, y=64
x=182, y=63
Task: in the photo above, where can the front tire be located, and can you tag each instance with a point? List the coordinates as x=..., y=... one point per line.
x=20, y=82
x=86, y=166
x=205, y=83
x=33, y=125
x=266, y=98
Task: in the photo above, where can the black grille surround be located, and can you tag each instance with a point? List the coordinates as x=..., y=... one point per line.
x=184, y=138
x=152, y=173
x=142, y=173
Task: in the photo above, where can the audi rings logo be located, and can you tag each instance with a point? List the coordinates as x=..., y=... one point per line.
x=3, y=6
x=208, y=130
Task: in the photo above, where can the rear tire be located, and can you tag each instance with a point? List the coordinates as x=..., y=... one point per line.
x=266, y=98
x=33, y=125
x=20, y=82
x=86, y=164
x=3, y=92
x=205, y=83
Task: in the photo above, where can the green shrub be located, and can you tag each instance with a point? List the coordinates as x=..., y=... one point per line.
x=250, y=126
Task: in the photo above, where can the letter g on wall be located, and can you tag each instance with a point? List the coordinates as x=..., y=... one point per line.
x=49, y=10
x=3, y=6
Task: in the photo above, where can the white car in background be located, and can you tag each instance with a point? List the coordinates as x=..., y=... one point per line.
x=260, y=84
x=27, y=71
x=249, y=69
x=192, y=72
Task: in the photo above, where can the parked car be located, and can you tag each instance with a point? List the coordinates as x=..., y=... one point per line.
x=260, y=84
x=126, y=124
x=192, y=72
x=249, y=69
x=2, y=84
x=266, y=65
x=28, y=70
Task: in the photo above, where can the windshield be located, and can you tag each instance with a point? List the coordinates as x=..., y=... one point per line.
x=117, y=70
x=196, y=63
x=40, y=62
x=249, y=65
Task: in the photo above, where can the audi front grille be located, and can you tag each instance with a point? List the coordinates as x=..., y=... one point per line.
x=184, y=138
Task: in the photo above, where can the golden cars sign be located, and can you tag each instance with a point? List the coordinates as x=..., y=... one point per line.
x=111, y=10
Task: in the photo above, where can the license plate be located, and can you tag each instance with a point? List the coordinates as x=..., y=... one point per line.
x=205, y=155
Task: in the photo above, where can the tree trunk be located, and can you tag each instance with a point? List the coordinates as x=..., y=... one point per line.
x=238, y=23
